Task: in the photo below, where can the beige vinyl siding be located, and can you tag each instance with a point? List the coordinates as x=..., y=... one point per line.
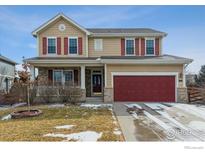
x=53, y=31
x=142, y=68
x=111, y=47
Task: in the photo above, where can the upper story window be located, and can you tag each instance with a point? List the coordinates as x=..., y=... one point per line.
x=130, y=46
x=73, y=45
x=51, y=45
x=98, y=44
x=150, y=47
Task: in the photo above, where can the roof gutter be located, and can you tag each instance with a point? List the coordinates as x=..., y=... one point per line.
x=123, y=61
x=127, y=34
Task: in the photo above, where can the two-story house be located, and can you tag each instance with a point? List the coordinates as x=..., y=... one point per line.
x=117, y=64
x=7, y=73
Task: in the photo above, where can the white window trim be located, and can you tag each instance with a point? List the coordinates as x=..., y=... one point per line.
x=126, y=46
x=176, y=74
x=62, y=80
x=52, y=37
x=95, y=44
x=149, y=38
x=72, y=37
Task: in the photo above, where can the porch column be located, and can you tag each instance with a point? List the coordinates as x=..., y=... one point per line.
x=82, y=79
x=32, y=71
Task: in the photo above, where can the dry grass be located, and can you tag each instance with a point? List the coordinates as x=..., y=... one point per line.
x=33, y=129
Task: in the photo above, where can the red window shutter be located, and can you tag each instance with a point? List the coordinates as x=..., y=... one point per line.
x=50, y=75
x=122, y=47
x=157, y=46
x=76, y=77
x=59, y=46
x=80, y=46
x=65, y=45
x=142, y=46
x=44, y=45
x=137, y=46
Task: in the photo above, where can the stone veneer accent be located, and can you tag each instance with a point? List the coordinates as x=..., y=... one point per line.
x=182, y=95
x=83, y=95
x=108, y=95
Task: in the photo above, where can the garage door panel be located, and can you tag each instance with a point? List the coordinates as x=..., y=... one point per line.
x=144, y=88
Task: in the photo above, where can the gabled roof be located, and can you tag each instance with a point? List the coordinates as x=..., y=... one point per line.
x=123, y=30
x=108, y=32
x=115, y=31
x=7, y=60
x=60, y=15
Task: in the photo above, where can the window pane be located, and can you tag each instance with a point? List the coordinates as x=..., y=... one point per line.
x=98, y=45
x=57, y=76
x=51, y=45
x=73, y=46
x=150, y=47
x=129, y=47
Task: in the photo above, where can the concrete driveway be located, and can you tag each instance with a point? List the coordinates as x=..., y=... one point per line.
x=161, y=121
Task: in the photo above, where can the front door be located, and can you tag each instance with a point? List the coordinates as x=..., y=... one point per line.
x=97, y=84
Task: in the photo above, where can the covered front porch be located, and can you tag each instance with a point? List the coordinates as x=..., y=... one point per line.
x=89, y=78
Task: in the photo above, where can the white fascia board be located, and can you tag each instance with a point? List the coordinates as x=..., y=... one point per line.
x=136, y=61
x=127, y=34
x=63, y=61
x=34, y=33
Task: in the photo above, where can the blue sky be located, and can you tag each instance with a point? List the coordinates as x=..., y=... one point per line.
x=185, y=26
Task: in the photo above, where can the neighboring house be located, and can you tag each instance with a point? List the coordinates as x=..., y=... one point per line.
x=7, y=73
x=117, y=64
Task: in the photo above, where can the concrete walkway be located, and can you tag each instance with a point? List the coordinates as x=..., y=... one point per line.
x=125, y=120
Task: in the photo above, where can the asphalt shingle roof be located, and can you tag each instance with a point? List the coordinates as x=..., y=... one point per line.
x=123, y=30
x=5, y=59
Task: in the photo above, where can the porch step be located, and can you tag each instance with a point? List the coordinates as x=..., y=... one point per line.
x=94, y=99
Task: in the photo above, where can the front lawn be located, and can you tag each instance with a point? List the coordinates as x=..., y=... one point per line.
x=83, y=119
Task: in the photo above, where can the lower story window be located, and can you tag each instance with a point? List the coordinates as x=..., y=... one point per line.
x=63, y=77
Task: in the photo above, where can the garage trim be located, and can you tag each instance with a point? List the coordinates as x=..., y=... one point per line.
x=147, y=74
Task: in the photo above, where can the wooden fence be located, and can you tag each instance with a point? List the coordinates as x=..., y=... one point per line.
x=196, y=95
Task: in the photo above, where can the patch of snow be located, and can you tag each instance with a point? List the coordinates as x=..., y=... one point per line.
x=158, y=121
x=135, y=115
x=64, y=127
x=18, y=104
x=56, y=105
x=113, y=117
x=82, y=136
x=191, y=109
x=133, y=105
x=117, y=132
x=154, y=106
x=96, y=106
x=4, y=107
x=167, y=116
x=7, y=117
x=197, y=125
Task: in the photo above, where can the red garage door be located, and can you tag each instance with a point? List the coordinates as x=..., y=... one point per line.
x=144, y=88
